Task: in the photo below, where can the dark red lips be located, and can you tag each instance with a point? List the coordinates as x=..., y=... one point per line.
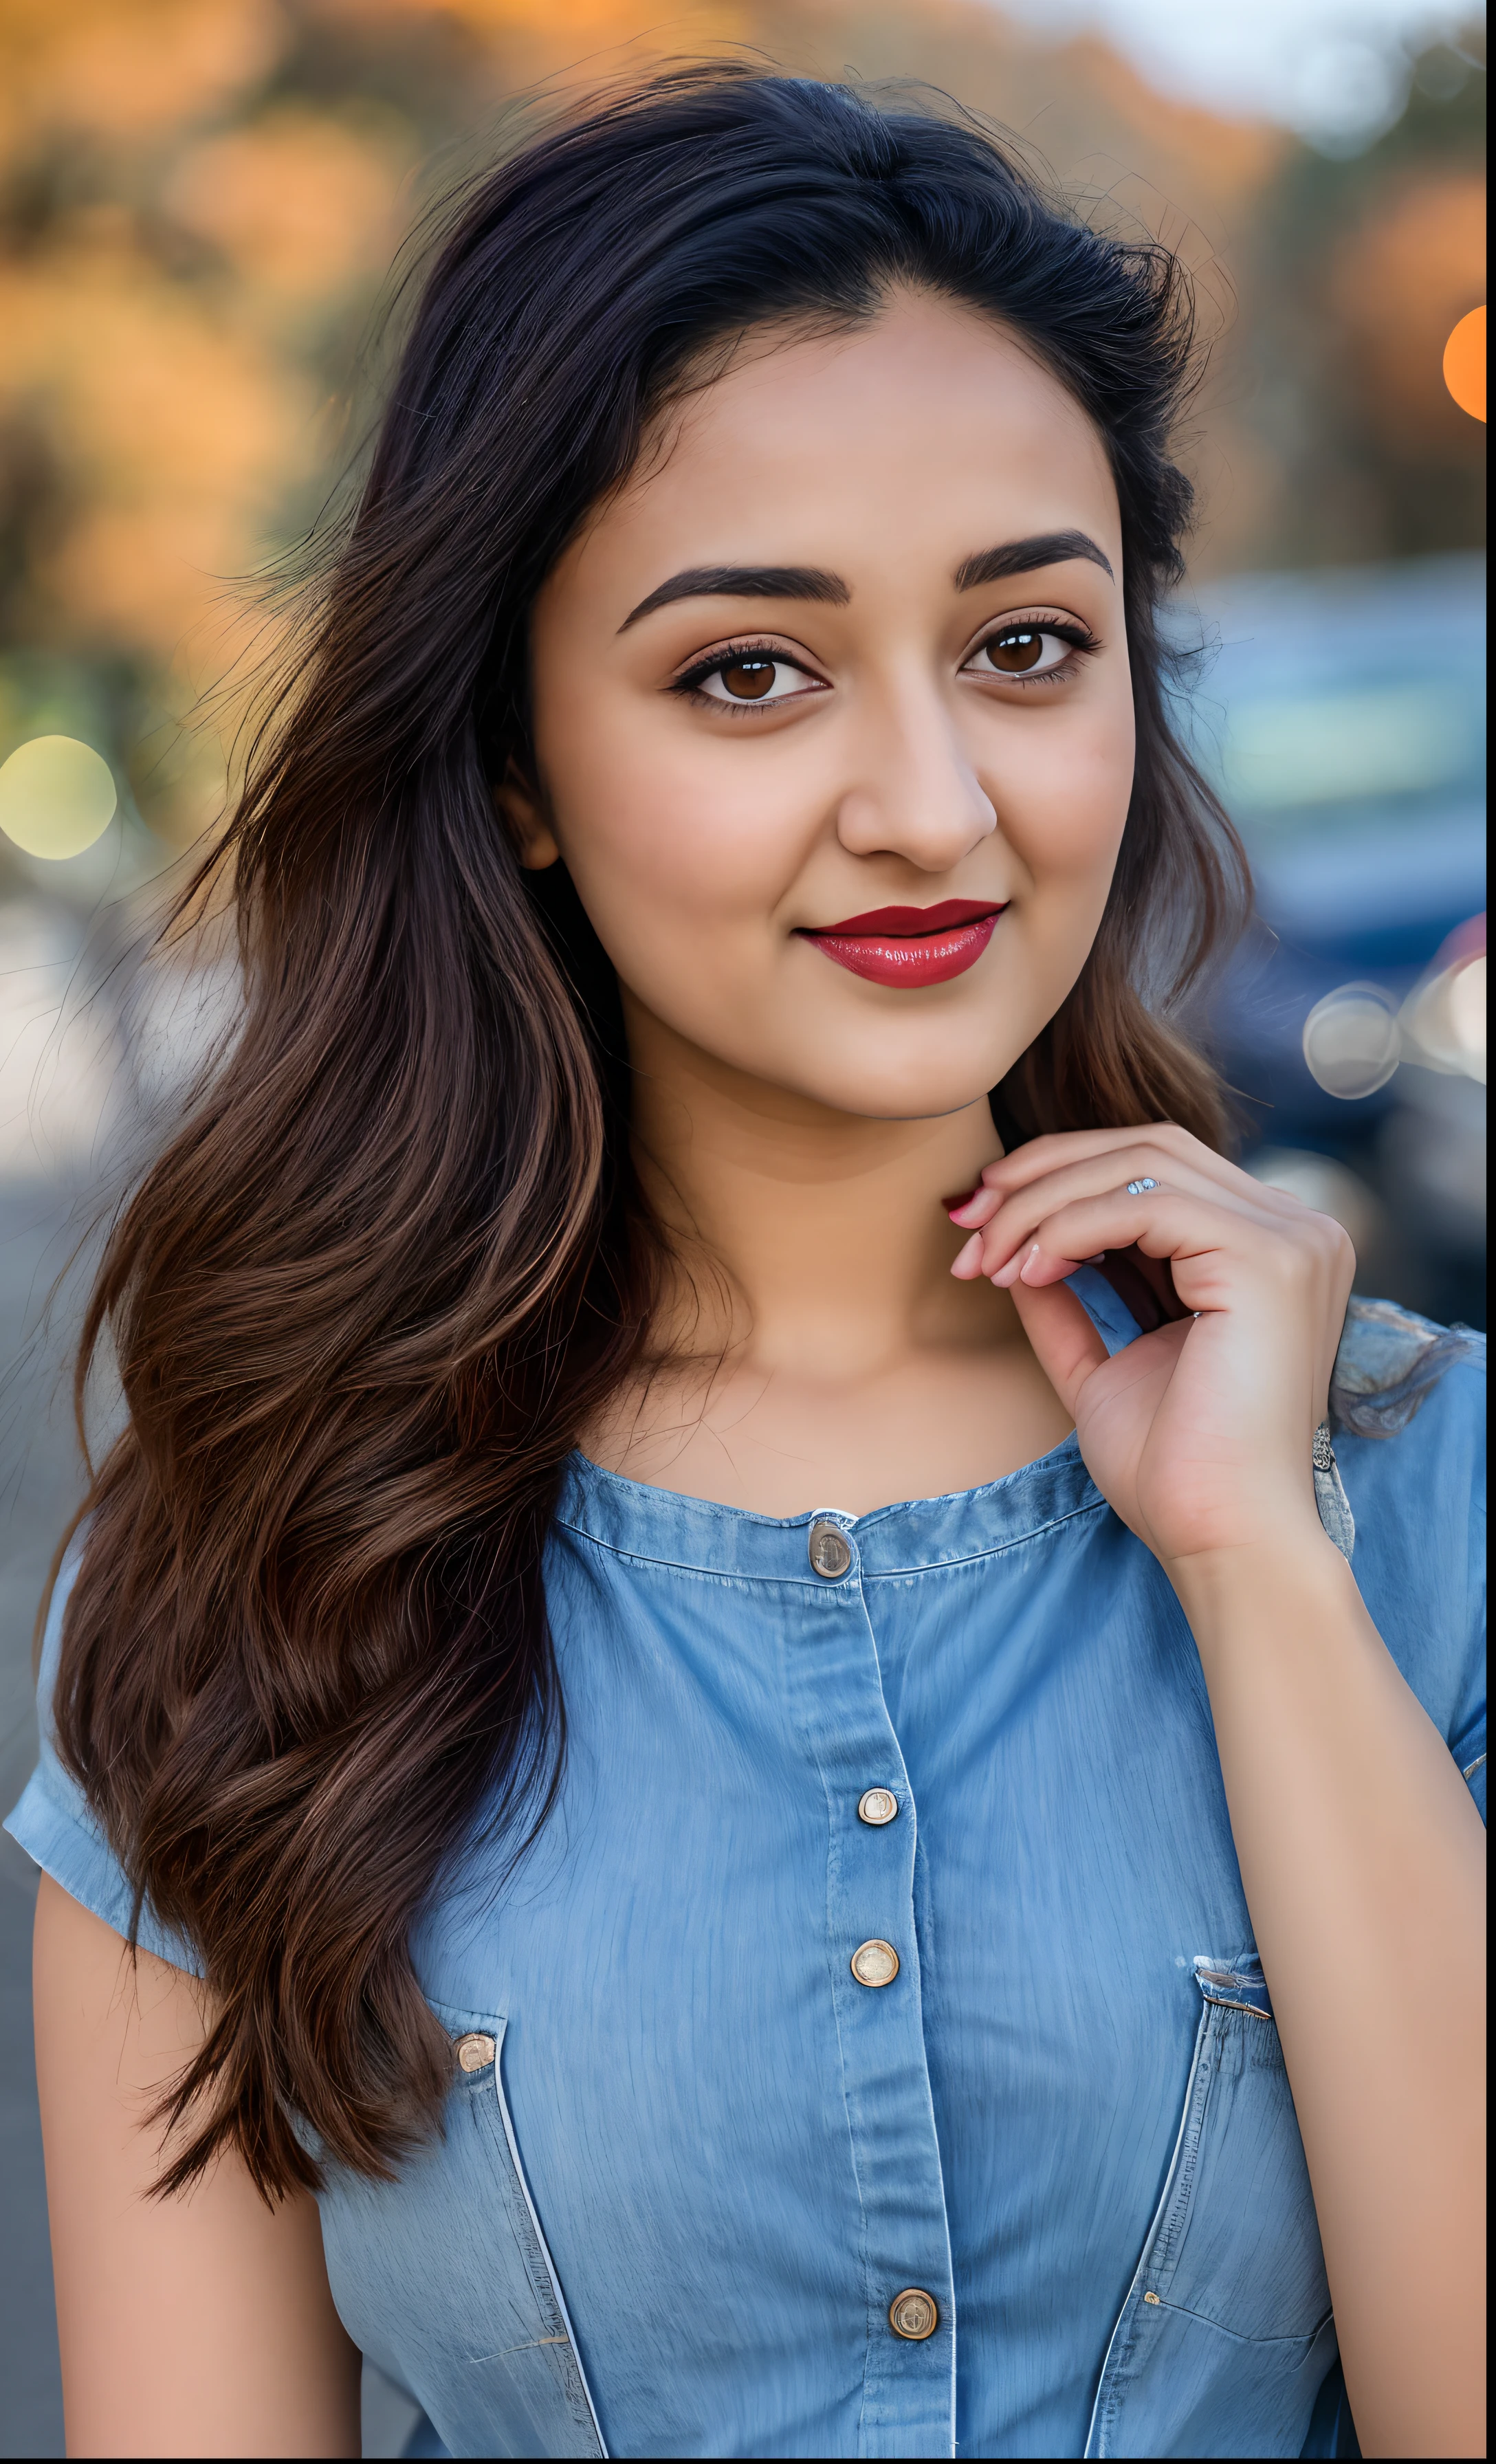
x=911, y=945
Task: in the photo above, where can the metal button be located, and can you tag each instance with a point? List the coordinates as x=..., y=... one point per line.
x=474, y=2053
x=830, y=1552
x=913, y=2315
x=877, y=1805
x=875, y=1962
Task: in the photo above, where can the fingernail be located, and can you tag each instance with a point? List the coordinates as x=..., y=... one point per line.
x=968, y=1256
x=1007, y=1274
x=1030, y=1262
x=954, y=1205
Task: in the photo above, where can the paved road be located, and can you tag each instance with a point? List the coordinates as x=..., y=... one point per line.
x=39, y=1479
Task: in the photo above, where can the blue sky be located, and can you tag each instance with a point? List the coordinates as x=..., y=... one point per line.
x=1333, y=69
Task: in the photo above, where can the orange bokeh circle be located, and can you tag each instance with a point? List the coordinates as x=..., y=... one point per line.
x=1464, y=364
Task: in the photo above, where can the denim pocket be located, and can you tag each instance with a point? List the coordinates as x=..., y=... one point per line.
x=444, y=2278
x=1226, y=2334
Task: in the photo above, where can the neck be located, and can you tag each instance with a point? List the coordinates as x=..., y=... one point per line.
x=827, y=1230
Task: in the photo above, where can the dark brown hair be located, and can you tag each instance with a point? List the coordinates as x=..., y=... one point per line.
x=394, y=1256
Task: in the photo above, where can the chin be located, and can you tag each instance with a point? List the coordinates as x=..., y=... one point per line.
x=907, y=1088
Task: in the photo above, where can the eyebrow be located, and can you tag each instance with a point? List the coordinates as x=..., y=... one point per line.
x=1027, y=555
x=811, y=581
x=744, y=582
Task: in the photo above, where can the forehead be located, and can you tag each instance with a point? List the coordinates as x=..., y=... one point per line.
x=921, y=437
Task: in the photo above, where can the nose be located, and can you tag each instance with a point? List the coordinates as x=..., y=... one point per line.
x=915, y=795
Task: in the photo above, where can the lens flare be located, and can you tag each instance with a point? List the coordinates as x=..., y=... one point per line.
x=56, y=797
x=1352, y=1041
x=1466, y=1002
x=1464, y=364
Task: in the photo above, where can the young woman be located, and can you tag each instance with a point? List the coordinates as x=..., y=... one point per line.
x=756, y=1826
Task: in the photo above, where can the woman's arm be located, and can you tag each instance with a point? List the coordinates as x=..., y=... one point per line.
x=1363, y=1861
x=199, y=2325
x=1362, y=1855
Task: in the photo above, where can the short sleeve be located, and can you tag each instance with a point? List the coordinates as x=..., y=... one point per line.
x=52, y=1821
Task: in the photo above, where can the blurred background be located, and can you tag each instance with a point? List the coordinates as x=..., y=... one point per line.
x=199, y=205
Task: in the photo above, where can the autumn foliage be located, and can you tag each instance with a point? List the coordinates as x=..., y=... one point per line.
x=201, y=199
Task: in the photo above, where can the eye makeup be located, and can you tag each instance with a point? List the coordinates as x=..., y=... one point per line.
x=750, y=672
x=759, y=673
x=1030, y=649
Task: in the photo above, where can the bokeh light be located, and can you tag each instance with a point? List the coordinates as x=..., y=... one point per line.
x=1466, y=1002
x=1443, y=1018
x=1319, y=1181
x=1352, y=1041
x=1464, y=364
x=56, y=797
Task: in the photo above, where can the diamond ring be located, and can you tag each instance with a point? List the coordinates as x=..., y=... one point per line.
x=1140, y=1188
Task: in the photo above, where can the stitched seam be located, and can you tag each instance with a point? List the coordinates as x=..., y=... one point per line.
x=1181, y=2310
x=817, y=1583
x=557, y=2297
x=1107, y=2397
x=1000, y=1548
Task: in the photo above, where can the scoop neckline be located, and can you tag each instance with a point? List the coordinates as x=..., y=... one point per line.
x=1057, y=1459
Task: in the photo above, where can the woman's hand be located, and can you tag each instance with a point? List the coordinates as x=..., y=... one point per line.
x=1200, y=1435
x=1361, y=1853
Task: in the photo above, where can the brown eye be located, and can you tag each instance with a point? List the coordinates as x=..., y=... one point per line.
x=754, y=679
x=1016, y=651
x=748, y=679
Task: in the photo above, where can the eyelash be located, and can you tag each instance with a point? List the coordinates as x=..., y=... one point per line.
x=689, y=686
x=1064, y=630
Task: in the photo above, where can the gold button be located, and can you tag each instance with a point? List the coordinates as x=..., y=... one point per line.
x=474, y=2053
x=875, y=1962
x=913, y=2315
x=829, y=1552
x=877, y=1805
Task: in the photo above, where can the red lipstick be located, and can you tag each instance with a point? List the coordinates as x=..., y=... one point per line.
x=910, y=945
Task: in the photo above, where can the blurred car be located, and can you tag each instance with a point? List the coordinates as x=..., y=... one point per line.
x=1342, y=717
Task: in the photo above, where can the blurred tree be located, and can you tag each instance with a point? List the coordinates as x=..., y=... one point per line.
x=1354, y=279
x=199, y=200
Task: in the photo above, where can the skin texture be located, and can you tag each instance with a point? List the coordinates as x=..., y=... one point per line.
x=832, y=1340
x=196, y=2326
x=797, y=1125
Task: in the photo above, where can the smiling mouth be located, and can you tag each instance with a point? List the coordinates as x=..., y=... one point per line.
x=910, y=945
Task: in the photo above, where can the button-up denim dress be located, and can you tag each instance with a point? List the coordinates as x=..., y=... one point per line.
x=699, y=2153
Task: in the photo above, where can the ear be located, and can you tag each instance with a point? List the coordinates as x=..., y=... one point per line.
x=521, y=807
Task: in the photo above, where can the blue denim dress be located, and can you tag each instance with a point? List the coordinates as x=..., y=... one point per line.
x=872, y=2057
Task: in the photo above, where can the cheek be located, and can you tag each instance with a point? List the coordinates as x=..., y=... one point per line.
x=1066, y=819
x=662, y=829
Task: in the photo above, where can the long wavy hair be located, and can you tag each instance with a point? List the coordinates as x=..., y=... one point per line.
x=394, y=1256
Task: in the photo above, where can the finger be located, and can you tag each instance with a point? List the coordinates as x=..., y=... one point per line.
x=1198, y=1236
x=1065, y=1342
x=1061, y=1150
x=1186, y=1156
x=1130, y=1177
x=966, y=1265
x=1062, y=1147
x=982, y=1205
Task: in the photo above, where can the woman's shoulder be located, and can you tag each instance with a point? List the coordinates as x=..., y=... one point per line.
x=1391, y=1361
x=1408, y=1420
x=54, y=1821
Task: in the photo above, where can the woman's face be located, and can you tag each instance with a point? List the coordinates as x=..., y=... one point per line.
x=832, y=714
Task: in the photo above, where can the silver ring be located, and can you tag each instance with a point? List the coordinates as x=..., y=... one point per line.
x=1140, y=1188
